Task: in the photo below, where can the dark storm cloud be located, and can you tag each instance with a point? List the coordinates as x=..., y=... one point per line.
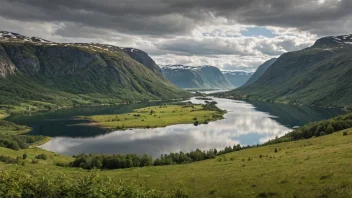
x=163, y=17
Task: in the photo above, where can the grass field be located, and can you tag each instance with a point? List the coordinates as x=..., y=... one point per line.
x=2, y=114
x=157, y=116
x=317, y=167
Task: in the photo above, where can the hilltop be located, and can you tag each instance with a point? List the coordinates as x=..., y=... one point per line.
x=318, y=75
x=38, y=73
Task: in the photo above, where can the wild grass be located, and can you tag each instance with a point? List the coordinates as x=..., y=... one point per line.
x=157, y=116
x=316, y=167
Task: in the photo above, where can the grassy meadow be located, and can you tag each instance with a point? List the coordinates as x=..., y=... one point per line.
x=157, y=116
x=316, y=167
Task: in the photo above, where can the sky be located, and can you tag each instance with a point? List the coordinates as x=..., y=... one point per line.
x=229, y=34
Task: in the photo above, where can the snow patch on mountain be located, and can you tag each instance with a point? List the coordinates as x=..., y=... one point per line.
x=345, y=39
x=237, y=73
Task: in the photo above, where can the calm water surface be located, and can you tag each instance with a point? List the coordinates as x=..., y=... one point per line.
x=246, y=123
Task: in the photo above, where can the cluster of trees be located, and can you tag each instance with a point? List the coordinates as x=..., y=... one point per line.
x=10, y=160
x=322, y=127
x=211, y=106
x=182, y=158
x=101, y=161
x=104, y=161
x=316, y=129
x=16, y=142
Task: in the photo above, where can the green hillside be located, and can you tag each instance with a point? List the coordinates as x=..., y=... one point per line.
x=260, y=71
x=318, y=75
x=317, y=167
x=50, y=75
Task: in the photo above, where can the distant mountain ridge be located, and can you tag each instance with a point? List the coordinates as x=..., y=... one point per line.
x=237, y=78
x=36, y=70
x=260, y=71
x=202, y=77
x=319, y=75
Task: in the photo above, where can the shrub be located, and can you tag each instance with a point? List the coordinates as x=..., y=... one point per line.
x=34, y=161
x=275, y=150
x=24, y=156
x=9, y=160
x=41, y=156
x=345, y=133
x=196, y=123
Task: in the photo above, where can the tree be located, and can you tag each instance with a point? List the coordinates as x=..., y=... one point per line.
x=24, y=156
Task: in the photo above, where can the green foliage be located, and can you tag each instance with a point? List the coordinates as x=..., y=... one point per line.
x=318, y=76
x=104, y=161
x=183, y=158
x=150, y=117
x=47, y=184
x=17, y=142
x=90, y=82
x=110, y=161
x=345, y=133
x=322, y=127
x=10, y=160
x=316, y=129
x=41, y=156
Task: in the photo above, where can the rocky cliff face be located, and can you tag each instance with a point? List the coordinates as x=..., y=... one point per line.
x=6, y=65
x=93, y=71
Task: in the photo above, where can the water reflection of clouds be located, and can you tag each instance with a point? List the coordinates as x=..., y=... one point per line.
x=243, y=124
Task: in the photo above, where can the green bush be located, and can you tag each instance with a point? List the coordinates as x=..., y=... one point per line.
x=9, y=160
x=17, y=142
x=41, y=156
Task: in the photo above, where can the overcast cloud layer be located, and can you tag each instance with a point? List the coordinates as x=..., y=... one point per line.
x=230, y=34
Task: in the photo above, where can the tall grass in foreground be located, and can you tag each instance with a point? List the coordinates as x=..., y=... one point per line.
x=43, y=184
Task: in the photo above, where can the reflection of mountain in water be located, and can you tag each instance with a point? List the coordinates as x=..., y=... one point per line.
x=291, y=116
x=62, y=123
x=244, y=123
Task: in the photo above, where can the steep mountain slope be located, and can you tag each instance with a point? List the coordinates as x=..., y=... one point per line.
x=36, y=70
x=237, y=78
x=144, y=59
x=260, y=71
x=203, y=77
x=319, y=75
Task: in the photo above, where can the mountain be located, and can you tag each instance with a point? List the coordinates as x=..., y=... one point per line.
x=319, y=75
x=34, y=70
x=260, y=71
x=203, y=77
x=144, y=59
x=237, y=78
